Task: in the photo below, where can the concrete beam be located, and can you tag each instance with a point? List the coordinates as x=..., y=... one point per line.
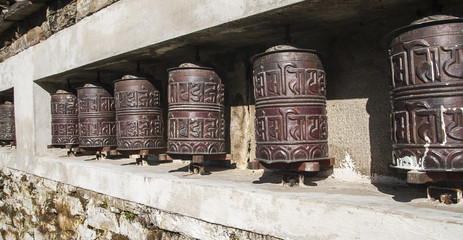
x=122, y=27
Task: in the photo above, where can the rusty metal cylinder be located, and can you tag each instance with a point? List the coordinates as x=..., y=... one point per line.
x=64, y=121
x=7, y=126
x=97, y=118
x=196, y=123
x=289, y=90
x=426, y=61
x=139, y=122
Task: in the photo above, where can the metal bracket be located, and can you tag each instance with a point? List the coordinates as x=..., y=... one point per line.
x=197, y=169
x=141, y=160
x=444, y=194
x=100, y=155
x=293, y=179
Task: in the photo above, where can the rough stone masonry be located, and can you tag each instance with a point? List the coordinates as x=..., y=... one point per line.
x=59, y=14
x=37, y=208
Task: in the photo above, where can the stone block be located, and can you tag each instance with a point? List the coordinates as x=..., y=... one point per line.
x=9, y=236
x=22, y=9
x=63, y=18
x=38, y=235
x=71, y=205
x=27, y=205
x=88, y=7
x=66, y=188
x=46, y=31
x=84, y=232
x=132, y=229
x=18, y=45
x=115, y=210
x=69, y=223
x=43, y=200
x=6, y=172
x=27, y=236
x=4, y=53
x=18, y=222
x=7, y=190
x=51, y=185
x=5, y=220
x=33, y=36
x=101, y=218
x=50, y=228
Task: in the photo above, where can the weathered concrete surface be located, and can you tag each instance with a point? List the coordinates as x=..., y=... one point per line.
x=348, y=133
x=239, y=118
x=42, y=124
x=25, y=114
x=329, y=209
x=88, y=7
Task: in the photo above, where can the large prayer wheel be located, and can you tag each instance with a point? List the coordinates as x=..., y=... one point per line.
x=426, y=60
x=196, y=122
x=64, y=121
x=139, y=121
x=289, y=90
x=97, y=118
x=7, y=126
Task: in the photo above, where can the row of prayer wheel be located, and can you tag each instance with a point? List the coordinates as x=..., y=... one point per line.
x=132, y=120
x=289, y=90
x=426, y=62
x=291, y=123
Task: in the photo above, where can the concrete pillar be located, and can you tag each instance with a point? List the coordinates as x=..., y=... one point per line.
x=42, y=111
x=32, y=111
x=24, y=106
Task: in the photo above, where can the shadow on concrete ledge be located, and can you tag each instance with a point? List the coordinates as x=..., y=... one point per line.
x=403, y=193
x=279, y=176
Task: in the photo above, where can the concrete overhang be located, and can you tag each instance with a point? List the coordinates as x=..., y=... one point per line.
x=114, y=40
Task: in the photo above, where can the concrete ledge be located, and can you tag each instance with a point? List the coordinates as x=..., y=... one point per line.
x=330, y=209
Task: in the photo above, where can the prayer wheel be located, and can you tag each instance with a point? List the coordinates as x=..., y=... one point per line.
x=139, y=121
x=97, y=118
x=64, y=121
x=426, y=62
x=196, y=123
x=289, y=90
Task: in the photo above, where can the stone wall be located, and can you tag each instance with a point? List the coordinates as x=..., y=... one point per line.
x=37, y=208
